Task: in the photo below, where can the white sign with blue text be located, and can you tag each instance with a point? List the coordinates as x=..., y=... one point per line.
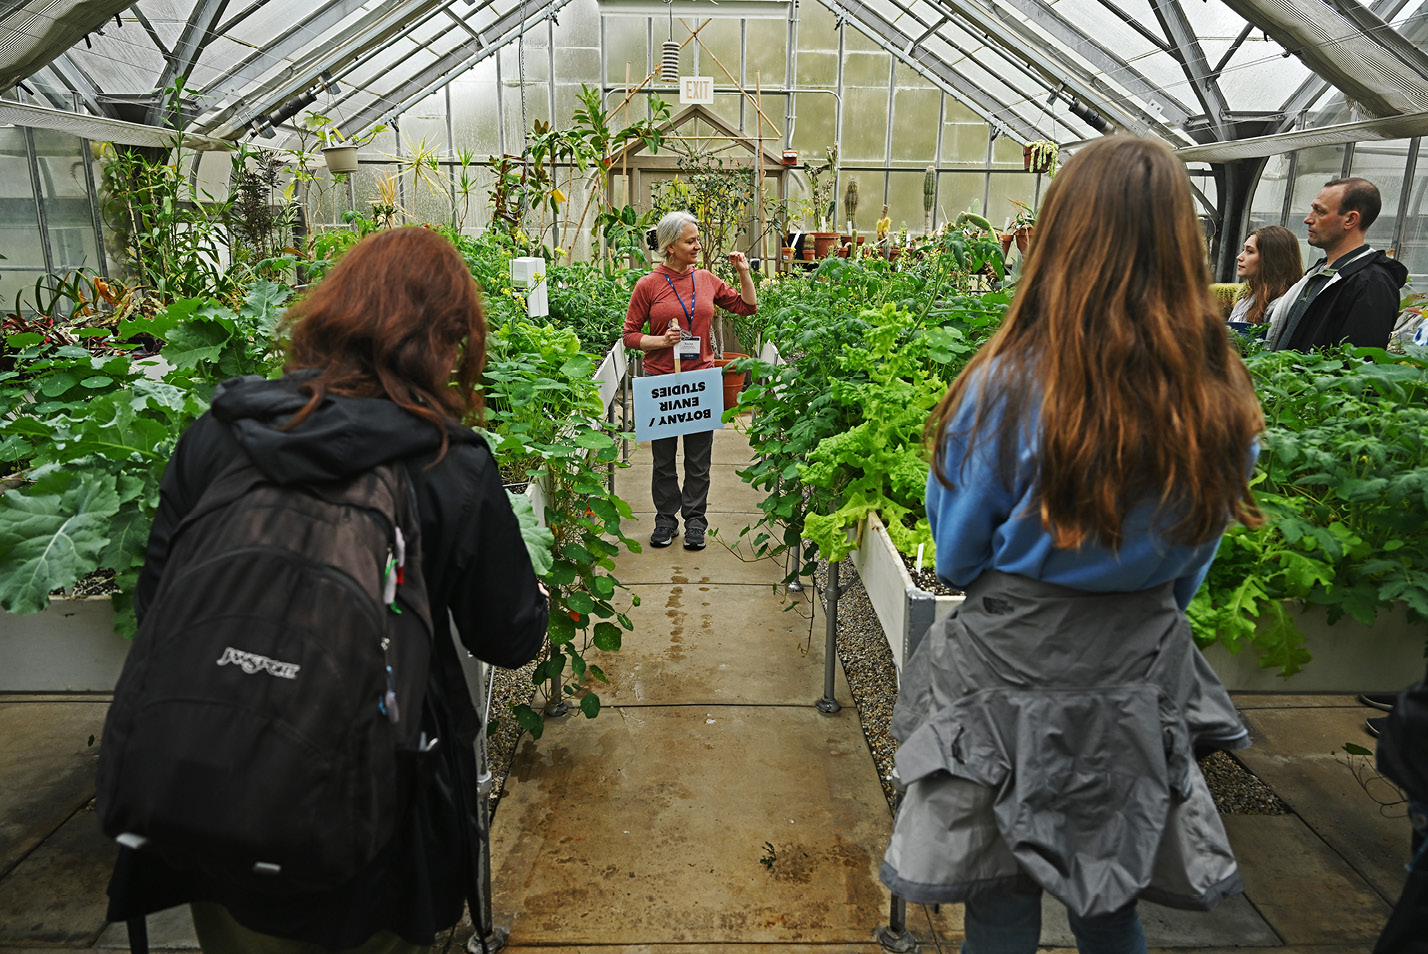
x=667, y=405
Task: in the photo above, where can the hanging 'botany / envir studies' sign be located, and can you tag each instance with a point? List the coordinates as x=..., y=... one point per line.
x=667, y=405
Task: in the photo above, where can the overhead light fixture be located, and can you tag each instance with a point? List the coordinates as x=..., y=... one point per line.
x=1090, y=117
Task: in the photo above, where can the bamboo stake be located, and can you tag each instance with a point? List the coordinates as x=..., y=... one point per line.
x=743, y=92
x=759, y=169
x=625, y=153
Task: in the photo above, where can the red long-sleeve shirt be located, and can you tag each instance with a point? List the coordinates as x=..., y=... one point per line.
x=656, y=301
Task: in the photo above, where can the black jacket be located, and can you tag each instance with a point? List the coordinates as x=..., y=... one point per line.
x=1360, y=307
x=475, y=565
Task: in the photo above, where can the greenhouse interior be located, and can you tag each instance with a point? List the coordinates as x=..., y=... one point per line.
x=704, y=748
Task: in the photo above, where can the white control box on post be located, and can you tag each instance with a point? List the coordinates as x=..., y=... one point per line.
x=528, y=278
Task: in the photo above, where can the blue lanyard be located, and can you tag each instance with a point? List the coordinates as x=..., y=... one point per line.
x=693, y=297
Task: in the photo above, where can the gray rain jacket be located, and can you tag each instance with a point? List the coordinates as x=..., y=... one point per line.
x=1048, y=739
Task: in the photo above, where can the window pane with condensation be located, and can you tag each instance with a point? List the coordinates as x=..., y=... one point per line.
x=69, y=217
x=1383, y=164
x=1267, y=203
x=19, y=225
x=1413, y=253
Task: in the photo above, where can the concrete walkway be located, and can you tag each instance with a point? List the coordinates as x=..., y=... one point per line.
x=711, y=807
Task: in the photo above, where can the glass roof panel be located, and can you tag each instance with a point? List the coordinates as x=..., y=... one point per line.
x=1259, y=77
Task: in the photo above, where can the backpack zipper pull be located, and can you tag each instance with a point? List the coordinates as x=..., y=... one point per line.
x=396, y=573
x=401, y=557
x=389, y=579
x=388, y=703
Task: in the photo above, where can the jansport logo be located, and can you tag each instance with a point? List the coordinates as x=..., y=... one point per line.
x=251, y=663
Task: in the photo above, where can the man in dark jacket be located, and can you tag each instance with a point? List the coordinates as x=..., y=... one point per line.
x=1352, y=293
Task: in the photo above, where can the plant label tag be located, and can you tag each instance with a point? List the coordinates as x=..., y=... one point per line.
x=667, y=405
x=688, y=349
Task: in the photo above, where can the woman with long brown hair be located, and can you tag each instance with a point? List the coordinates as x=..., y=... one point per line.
x=384, y=361
x=1268, y=264
x=1085, y=465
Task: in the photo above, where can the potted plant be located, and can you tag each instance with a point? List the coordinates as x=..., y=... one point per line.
x=1041, y=156
x=733, y=379
x=1019, y=229
x=339, y=151
x=850, y=206
x=822, y=205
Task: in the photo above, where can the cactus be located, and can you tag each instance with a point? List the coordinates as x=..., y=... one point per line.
x=850, y=201
x=929, y=188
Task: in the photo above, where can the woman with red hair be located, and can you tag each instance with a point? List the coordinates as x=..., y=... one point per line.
x=383, y=365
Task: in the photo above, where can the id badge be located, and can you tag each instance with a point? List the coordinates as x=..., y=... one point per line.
x=688, y=348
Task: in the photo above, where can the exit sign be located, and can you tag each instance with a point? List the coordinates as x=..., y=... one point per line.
x=696, y=89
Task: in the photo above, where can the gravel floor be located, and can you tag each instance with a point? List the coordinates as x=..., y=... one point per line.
x=868, y=665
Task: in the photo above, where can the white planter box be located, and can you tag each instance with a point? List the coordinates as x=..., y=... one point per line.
x=1349, y=657
x=905, y=610
x=608, y=376
x=68, y=647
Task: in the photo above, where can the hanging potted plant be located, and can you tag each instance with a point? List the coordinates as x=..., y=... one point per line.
x=1019, y=229
x=1041, y=156
x=339, y=151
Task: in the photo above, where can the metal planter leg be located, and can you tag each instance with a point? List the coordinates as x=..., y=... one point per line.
x=829, y=705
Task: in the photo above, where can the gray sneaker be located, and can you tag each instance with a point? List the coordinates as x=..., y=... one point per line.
x=694, y=538
x=662, y=537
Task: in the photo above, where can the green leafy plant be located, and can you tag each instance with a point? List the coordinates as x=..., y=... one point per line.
x=720, y=195
x=868, y=349
x=1343, y=482
x=328, y=133
x=546, y=422
x=1043, y=156
x=92, y=435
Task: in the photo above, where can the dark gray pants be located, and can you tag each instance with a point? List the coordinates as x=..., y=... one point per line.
x=669, y=500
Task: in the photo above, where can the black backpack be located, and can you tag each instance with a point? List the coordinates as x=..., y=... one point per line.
x=267, y=728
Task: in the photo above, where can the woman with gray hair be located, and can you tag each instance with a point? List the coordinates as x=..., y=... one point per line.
x=675, y=303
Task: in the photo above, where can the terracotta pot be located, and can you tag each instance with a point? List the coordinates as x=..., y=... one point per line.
x=823, y=243
x=808, y=255
x=1040, y=167
x=733, y=380
x=1023, y=238
x=843, y=251
x=860, y=239
x=788, y=254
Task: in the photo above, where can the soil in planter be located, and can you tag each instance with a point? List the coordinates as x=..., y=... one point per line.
x=926, y=579
x=872, y=677
x=98, y=583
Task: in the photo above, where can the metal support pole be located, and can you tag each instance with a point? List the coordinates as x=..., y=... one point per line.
x=610, y=419
x=793, y=557
x=829, y=705
x=894, y=936
x=488, y=937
